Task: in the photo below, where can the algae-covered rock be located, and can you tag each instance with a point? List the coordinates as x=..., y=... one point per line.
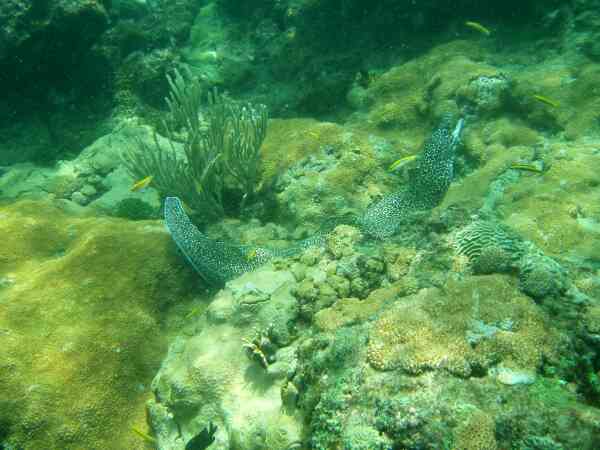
x=228, y=374
x=324, y=172
x=558, y=211
x=95, y=178
x=34, y=31
x=477, y=432
x=24, y=142
x=486, y=94
x=80, y=325
x=134, y=209
x=342, y=240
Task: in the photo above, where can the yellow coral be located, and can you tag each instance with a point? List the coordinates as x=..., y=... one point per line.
x=429, y=330
x=476, y=433
x=82, y=334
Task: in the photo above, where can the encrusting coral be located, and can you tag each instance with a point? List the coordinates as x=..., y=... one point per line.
x=429, y=330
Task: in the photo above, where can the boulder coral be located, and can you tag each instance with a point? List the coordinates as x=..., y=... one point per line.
x=81, y=325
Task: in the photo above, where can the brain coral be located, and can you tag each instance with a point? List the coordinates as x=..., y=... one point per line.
x=541, y=276
x=489, y=246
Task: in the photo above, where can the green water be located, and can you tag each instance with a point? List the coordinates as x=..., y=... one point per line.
x=299, y=224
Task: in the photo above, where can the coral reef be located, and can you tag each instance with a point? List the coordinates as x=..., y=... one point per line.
x=489, y=246
x=474, y=323
x=541, y=276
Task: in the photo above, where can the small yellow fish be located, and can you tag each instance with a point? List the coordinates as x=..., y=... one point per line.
x=526, y=167
x=142, y=184
x=252, y=254
x=144, y=436
x=188, y=210
x=195, y=311
x=478, y=27
x=401, y=162
x=546, y=100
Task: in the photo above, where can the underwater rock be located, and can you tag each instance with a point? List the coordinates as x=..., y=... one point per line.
x=208, y=377
x=102, y=160
x=592, y=322
x=227, y=63
x=254, y=297
x=512, y=377
x=129, y=8
x=342, y=240
x=323, y=172
x=79, y=198
x=33, y=31
x=24, y=141
x=487, y=94
x=104, y=155
x=95, y=178
x=134, y=209
x=358, y=436
x=477, y=432
x=88, y=190
x=25, y=181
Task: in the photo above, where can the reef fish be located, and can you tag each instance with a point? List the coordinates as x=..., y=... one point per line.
x=526, y=167
x=146, y=437
x=402, y=162
x=203, y=439
x=478, y=27
x=546, y=100
x=142, y=184
x=251, y=254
